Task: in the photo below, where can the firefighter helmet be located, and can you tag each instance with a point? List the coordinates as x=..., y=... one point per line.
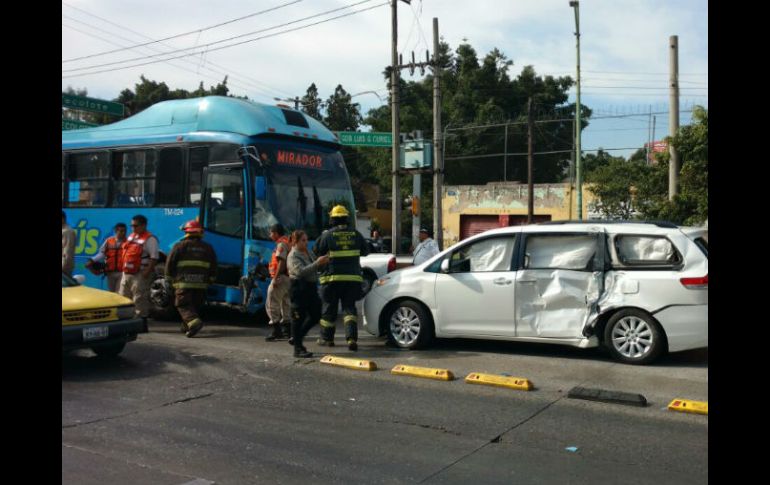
x=192, y=226
x=339, y=211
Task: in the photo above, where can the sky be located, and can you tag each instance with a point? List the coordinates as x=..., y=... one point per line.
x=624, y=50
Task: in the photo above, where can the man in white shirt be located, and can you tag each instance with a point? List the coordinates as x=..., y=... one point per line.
x=426, y=249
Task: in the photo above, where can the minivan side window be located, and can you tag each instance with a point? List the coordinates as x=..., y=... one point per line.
x=561, y=251
x=635, y=250
x=493, y=254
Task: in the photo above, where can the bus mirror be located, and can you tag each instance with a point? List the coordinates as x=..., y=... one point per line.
x=260, y=187
x=250, y=152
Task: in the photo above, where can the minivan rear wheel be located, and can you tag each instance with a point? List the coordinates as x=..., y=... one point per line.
x=634, y=337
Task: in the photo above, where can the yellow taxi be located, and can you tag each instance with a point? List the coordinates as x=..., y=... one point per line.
x=95, y=319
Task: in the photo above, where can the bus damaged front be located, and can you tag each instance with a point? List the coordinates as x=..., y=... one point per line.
x=287, y=182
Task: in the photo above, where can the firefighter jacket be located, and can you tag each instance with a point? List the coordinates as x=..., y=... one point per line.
x=192, y=264
x=344, y=247
x=135, y=255
x=282, y=248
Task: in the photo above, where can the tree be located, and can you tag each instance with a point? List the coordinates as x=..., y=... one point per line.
x=341, y=113
x=690, y=205
x=613, y=181
x=147, y=92
x=311, y=103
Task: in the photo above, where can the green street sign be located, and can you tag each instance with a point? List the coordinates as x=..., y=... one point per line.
x=371, y=139
x=75, y=125
x=91, y=104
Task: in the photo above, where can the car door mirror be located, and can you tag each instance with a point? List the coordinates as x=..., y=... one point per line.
x=445, y=265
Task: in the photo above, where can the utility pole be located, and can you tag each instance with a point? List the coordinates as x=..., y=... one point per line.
x=673, y=115
x=530, y=184
x=578, y=157
x=394, y=75
x=649, y=162
x=505, y=154
x=438, y=149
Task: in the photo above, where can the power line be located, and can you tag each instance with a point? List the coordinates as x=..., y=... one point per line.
x=225, y=47
x=230, y=77
x=94, y=66
x=198, y=31
x=230, y=72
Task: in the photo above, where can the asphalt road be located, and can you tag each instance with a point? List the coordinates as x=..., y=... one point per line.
x=228, y=407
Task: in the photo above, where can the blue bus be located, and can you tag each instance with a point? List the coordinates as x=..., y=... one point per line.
x=236, y=165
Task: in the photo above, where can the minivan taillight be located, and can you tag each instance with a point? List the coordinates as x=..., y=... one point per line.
x=391, y=265
x=696, y=283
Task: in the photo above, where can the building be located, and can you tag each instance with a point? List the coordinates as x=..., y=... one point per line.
x=470, y=209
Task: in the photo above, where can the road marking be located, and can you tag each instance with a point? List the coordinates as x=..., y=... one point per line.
x=199, y=481
x=518, y=383
x=426, y=372
x=356, y=364
x=688, y=406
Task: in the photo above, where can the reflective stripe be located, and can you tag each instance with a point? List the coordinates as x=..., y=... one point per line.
x=198, y=264
x=340, y=277
x=192, y=286
x=326, y=323
x=350, y=319
x=343, y=254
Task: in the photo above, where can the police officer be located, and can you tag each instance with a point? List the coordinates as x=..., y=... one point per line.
x=341, y=278
x=192, y=265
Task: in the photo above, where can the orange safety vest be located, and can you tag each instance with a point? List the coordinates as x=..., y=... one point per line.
x=274, y=261
x=114, y=255
x=133, y=250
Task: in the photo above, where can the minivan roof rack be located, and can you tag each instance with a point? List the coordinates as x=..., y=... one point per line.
x=664, y=224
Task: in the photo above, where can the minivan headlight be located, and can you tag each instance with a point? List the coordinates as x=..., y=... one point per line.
x=126, y=312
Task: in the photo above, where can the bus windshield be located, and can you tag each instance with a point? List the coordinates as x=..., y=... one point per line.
x=300, y=186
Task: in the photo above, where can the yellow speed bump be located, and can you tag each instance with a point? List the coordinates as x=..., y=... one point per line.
x=688, y=406
x=426, y=372
x=356, y=364
x=518, y=383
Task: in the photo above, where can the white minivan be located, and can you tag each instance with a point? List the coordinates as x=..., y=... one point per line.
x=638, y=288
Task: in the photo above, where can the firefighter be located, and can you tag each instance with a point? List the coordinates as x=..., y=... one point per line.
x=341, y=279
x=192, y=266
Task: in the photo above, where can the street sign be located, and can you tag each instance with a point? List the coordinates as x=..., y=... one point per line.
x=75, y=125
x=371, y=139
x=416, y=154
x=91, y=104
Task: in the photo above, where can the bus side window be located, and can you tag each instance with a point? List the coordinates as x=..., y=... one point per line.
x=169, y=182
x=134, y=178
x=88, y=176
x=199, y=158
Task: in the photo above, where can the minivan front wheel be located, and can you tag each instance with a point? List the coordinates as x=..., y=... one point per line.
x=409, y=325
x=634, y=337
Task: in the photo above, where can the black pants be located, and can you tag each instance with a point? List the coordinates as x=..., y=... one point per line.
x=305, y=309
x=189, y=301
x=348, y=292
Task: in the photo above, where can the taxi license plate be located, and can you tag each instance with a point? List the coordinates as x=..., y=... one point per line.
x=95, y=333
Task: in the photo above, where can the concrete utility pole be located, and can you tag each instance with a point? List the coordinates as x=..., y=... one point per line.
x=578, y=157
x=530, y=184
x=673, y=115
x=394, y=75
x=438, y=147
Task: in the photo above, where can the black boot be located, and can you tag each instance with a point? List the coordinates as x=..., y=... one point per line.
x=302, y=352
x=286, y=327
x=277, y=333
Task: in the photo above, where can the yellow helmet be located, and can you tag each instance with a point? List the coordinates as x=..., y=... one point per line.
x=339, y=211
